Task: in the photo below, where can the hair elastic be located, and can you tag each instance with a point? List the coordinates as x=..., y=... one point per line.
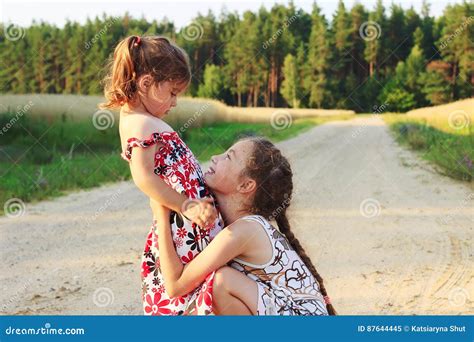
x=137, y=41
x=327, y=300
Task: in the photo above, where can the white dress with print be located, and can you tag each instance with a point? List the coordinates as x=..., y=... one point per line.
x=285, y=284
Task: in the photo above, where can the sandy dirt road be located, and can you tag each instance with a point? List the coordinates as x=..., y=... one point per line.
x=388, y=234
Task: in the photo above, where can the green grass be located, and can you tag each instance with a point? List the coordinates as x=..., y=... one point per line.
x=452, y=151
x=43, y=158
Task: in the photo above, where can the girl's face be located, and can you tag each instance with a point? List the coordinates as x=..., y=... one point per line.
x=224, y=174
x=159, y=98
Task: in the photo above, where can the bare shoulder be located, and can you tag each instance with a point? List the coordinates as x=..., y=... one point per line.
x=250, y=237
x=141, y=126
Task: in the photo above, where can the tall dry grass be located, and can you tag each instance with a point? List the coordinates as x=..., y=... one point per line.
x=444, y=134
x=456, y=117
x=199, y=111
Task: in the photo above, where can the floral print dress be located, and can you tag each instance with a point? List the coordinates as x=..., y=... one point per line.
x=285, y=284
x=176, y=165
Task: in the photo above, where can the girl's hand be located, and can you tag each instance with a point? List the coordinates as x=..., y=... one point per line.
x=200, y=211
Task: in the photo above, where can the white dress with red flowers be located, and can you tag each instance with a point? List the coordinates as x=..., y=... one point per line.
x=176, y=165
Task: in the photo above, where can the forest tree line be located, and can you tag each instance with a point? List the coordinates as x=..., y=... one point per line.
x=358, y=59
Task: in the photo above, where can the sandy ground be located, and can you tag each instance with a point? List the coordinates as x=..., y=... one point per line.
x=388, y=234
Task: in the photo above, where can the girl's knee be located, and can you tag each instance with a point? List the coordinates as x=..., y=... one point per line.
x=221, y=278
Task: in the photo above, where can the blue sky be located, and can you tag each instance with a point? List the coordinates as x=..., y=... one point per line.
x=181, y=12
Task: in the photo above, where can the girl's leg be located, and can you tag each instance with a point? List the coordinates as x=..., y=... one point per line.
x=234, y=293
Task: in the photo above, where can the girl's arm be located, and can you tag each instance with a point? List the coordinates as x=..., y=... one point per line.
x=181, y=279
x=141, y=167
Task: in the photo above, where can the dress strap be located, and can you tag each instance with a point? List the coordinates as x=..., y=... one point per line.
x=147, y=142
x=256, y=218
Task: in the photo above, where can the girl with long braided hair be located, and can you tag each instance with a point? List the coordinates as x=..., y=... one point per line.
x=261, y=270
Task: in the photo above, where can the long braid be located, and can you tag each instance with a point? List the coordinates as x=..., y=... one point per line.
x=284, y=227
x=273, y=175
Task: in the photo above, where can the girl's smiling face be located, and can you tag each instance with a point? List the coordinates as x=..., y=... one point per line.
x=224, y=174
x=159, y=98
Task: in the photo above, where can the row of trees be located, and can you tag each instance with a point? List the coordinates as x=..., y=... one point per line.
x=282, y=56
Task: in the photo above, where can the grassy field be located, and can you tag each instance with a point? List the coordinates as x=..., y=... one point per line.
x=43, y=155
x=443, y=135
x=199, y=111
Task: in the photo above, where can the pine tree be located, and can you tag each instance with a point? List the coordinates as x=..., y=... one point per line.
x=395, y=94
x=436, y=87
x=413, y=21
x=239, y=57
x=375, y=51
x=289, y=89
x=318, y=55
x=415, y=66
x=359, y=66
x=279, y=43
x=457, y=47
x=427, y=26
x=404, y=90
x=269, y=56
x=395, y=37
x=201, y=41
x=302, y=70
x=340, y=59
x=213, y=84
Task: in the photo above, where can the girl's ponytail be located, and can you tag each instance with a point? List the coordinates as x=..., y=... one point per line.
x=121, y=86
